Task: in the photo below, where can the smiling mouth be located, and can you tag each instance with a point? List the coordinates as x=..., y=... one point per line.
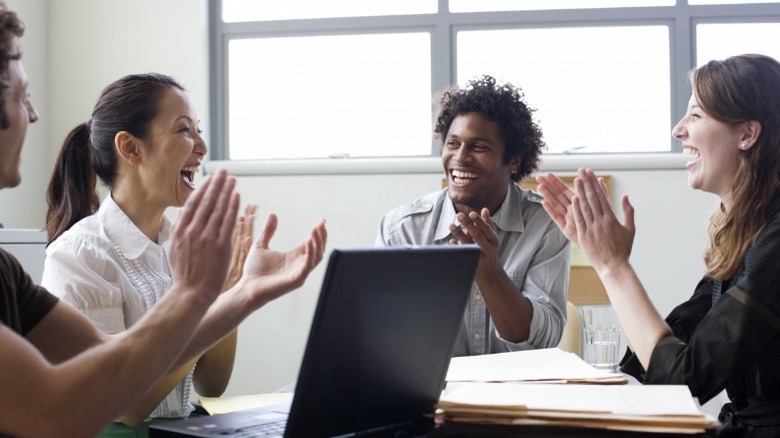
x=687, y=150
x=461, y=176
x=188, y=173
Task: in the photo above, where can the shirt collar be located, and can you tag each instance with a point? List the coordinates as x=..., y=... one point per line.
x=124, y=233
x=509, y=216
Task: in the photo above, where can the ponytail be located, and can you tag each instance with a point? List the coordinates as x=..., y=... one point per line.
x=72, y=194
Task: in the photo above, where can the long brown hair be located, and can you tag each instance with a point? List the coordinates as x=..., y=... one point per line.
x=739, y=89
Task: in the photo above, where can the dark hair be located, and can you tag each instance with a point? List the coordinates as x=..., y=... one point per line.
x=88, y=152
x=503, y=104
x=739, y=89
x=11, y=28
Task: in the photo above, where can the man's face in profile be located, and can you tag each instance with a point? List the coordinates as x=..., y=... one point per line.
x=17, y=113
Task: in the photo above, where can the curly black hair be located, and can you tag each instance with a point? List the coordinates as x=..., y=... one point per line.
x=11, y=28
x=504, y=104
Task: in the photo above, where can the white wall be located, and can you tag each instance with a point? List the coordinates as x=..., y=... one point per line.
x=76, y=47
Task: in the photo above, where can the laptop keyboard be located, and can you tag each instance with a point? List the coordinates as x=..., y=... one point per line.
x=266, y=430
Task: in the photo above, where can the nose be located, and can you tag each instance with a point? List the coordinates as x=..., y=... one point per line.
x=32, y=113
x=462, y=153
x=678, y=131
x=200, y=147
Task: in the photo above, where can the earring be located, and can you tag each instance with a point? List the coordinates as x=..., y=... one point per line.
x=743, y=146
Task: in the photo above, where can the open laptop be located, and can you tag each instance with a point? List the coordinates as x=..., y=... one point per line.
x=378, y=349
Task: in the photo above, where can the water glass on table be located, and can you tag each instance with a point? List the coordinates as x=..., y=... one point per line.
x=601, y=340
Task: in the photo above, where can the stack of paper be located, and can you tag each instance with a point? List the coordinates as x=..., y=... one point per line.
x=637, y=408
x=549, y=365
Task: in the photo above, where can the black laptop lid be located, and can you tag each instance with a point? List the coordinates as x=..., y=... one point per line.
x=381, y=339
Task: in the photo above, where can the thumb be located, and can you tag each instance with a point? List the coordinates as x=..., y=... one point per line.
x=269, y=228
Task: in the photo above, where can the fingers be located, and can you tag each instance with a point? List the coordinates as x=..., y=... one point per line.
x=188, y=211
x=557, y=196
x=249, y=220
x=212, y=209
x=460, y=234
x=269, y=228
x=580, y=203
x=591, y=189
x=628, y=216
x=318, y=240
x=555, y=187
x=579, y=217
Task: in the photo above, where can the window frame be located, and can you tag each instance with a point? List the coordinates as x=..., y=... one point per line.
x=444, y=26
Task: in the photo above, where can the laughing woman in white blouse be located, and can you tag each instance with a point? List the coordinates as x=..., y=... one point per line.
x=110, y=260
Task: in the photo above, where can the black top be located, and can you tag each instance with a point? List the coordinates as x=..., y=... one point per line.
x=22, y=304
x=731, y=341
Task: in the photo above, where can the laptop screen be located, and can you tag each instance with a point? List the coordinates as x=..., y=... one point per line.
x=382, y=336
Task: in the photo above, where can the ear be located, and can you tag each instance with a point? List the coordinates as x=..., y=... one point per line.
x=514, y=163
x=128, y=147
x=751, y=131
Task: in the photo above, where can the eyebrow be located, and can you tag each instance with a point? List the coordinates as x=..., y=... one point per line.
x=188, y=118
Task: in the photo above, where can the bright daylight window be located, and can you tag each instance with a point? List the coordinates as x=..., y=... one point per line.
x=301, y=79
x=296, y=97
x=718, y=41
x=597, y=94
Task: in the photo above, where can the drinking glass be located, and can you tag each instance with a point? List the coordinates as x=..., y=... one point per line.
x=601, y=337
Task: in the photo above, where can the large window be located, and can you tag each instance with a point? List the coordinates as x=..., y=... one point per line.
x=356, y=78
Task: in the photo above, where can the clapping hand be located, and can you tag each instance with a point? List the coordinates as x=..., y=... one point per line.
x=478, y=228
x=242, y=242
x=201, y=236
x=269, y=274
x=603, y=239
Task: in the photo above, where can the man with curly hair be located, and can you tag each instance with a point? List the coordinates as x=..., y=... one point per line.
x=490, y=142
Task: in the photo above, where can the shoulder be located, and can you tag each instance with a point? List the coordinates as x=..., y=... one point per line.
x=420, y=206
x=86, y=233
x=529, y=204
x=528, y=196
x=761, y=262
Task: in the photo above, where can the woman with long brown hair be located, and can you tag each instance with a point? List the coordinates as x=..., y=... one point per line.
x=727, y=335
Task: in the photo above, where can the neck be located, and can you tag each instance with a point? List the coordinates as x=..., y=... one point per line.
x=147, y=218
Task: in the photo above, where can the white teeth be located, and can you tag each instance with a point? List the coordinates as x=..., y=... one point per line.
x=690, y=151
x=188, y=173
x=462, y=174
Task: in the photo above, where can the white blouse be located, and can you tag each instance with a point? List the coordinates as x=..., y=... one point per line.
x=107, y=268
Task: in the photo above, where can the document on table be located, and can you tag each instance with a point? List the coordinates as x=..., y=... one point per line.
x=550, y=365
x=646, y=408
x=223, y=405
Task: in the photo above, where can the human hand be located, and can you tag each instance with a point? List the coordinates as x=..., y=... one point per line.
x=557, y=203
x=603, y=239
x=478, y=228
x=242, y=241
x=269, y=274
x=202, y=234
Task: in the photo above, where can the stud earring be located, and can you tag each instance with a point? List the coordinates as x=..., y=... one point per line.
x=743, y=146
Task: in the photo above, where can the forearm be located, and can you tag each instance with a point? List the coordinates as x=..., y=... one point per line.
x=510, y=311
x=230, y=308
x=126, y=368
x=215, y=366
x=639, y=320
x=79, y=396
x=138, y=413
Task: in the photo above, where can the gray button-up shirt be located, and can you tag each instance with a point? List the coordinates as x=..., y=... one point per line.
x=534, y=252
